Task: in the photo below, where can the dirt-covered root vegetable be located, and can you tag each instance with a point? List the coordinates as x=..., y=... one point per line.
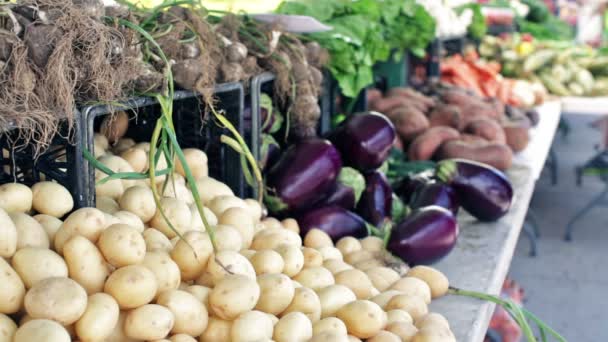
x=8, y=231
x=164, y=268
x=234, y=295
x=333, y=298
x=293, y=327
x=15, y=197
x=60, y=299
x=357, y=281
x=315, y=278
x=41, y=330
x=224, y=263
x=35, y=264
x=405, y=330
x=192, y=254
x=413, y=305
x=413, y=287
x=132, y=286
x=306, y=301
x=316, y=238
x=363, y=319
x=13, y=290
x=382, y=277
x=85, y=264
x=189, y=313
x=236, y=52
x=29, y=232
x=250, y=326
x=435, y=279
x=122, y=245
x=276, y=293
x=99, y=318
x=197, y=162
x=114, y=127
x=52, y=199
x=149, y=322
x=267, y=261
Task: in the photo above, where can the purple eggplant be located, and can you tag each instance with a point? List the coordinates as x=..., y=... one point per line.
x=347, y=191
x=435, y=193
x=270, y=151
x=483, y=191
x=364, y=140
x=408, y=186
x=376, y=201
x=336, y=221
x=425, y=236
x=303, y=176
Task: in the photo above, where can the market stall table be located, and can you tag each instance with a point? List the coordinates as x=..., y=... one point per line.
x=585, y=105
x=481, y=259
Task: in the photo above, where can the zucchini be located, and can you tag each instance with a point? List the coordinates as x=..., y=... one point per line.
x=585, y=79
x=576, y=89
x=538, y=59
x=553, y=85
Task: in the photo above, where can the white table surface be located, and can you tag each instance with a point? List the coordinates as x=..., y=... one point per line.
x=482, y=257
x=585, y=105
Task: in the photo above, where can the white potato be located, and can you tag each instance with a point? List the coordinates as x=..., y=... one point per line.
x=267, y=261
x=398, y=315
x=315, y=278
x=276, y=293
x=85, y=264
x=60, y=299
x=293, y=327
x=414, y=305
x=234, y=295
x=368, y=264
x=413, y=287
x=291, y=224
x=50, y=224
x=432, y=319
x=34, y=264
x=434, y=333
x=355, y=257
x=164, y=268
x=209, y=188
x=137, y=158
x=145, y=146
x=200, y=292
x=149, y=322
x=175, y=190
x=271, y=222
x=106, y=204
x=329, y=324
x=101, y=141
x=271, y=238
x=192, y=254
x=383, y=298
x=122, y=245
x=437, y=281
x=363, y=319
x=182, y=338
x=312, y=257
x=130, y=219
x=13, y=290
x=139, y=200
x=336, y=266
x=348, y=244
x=316, y=238
x=405, y=330
x=229, y=262
x=15, y=197
x=189, y=313
x=197, y=163
x=306, y=301
x=217, y=330
x=228, y=238
x=132, y=286
x=88, y=222
x=197, y=221
x=41, y=330
x=111, y=189
x=122, y=145
x=205, y=280
x=116, y=164
x=219, y=204
x=382, y=277
x=330, y=336
x=293, y=258
x=333, y=298
x=178, y=213
x=29, y=232
x=118, y=333
x=352, y=338
x=357, y=281
x=7, y=328
x=385, y=336
x=241, y=220
x=52, y=199
x=372, y=244
x=252, y=326
x=8, y=235
x=156, y=241
x=330, y=252
x=99, y=318
x=255, y=209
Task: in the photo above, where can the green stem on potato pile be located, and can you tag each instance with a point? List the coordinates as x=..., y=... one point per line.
x=518, y=313
x=237, y=148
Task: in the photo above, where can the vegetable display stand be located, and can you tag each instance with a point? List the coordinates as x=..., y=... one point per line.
x=337, y=103
x=392, y=73
x=425, y=69
x=452, y=45
x=62, y=161
x=192, y=127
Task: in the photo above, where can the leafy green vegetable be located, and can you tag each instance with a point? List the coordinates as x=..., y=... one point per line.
x=478, y=27
x=538, y=12
x=551, y=29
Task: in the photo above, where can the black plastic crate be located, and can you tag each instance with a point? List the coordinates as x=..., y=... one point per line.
x=452, y=45
x=192, y=130
x=423, y=70
x=62, y=161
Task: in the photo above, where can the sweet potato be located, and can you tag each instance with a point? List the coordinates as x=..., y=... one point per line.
x=487, y=129
x=387, y=104
x=411, y=93
x=373, y=95
x=426, y=144
x=498, y=155
x=445, y=115
x=408, y=122
x=472, y=139
x=517, y=135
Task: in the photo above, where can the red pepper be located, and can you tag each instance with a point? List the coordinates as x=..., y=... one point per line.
x=526, y=37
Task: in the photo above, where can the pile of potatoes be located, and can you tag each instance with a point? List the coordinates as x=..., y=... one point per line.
x=119, y=273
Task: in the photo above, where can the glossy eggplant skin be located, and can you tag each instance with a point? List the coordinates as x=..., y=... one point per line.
x=304, y=174
x=336, y=221
x=435, y=193
x=364, y=140
x=341, y=195
x=425, y=236
x=407, y=187
x=483, y=191
x=376, y=202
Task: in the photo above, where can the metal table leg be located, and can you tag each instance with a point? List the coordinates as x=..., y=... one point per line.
x=533, y=220
x=532, y=237
x=599, y=199
x=553, y=166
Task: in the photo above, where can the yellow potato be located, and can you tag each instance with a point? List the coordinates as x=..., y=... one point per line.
x=149, y=322
x=192, y=254
x=354, y=257
x=211, y=188
x=234, y=295
x=7, y=328
x=315, y=278
x=175, y=190
x=329, y=324
x=132, y=286
x=178, y=213
x=164, y=268
x=217, y=330
x=333, y=298
x=293, y=259
x=189, y=313
x=101, y=141
x=139, y=200
x=182, y=338
x=348, y=245
x=414, y=305
x=137, y=158
x=368, y=264
x=228, y=238
x=316, y=238
x=41, y=330
x=372, y=244
x=52, y=199
x=363, y=318
x=8, y=232
x=241, y=220
x=106, y=204
x=330, y=252
x=122, y=145
x=306, y=301
x=50, y=224
x=432, y=319
x=99, y=318
x=251, y=326
x=221, y=203
x=116, y=164
x=35, y=264
x=271, y=222
x=291, y=224
x=255, y=209
x=385, y=336
x=293, y=327
x=200, y=292
x=405, y=330
x=437, y=281
x=197, y=221
x=229, y=262
x=312, y=257
x=29, y=232
x=267, y=261
x=85, y=264
x=383, y=298
x=130, y=219
x=60, y=299
x=434, y=334
x=336, y=265
x=382, y=277
x=118, y=333
x=413, y=287
x=156, y=241
x=357, y=281
x=398, y=315
x=122, y=245
x=88, y=222
x=271, y=238
x=197, y=163
x=352, y=338
x=276, y=293
x=13, y=290
x=15, y=197
x=330, y=336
